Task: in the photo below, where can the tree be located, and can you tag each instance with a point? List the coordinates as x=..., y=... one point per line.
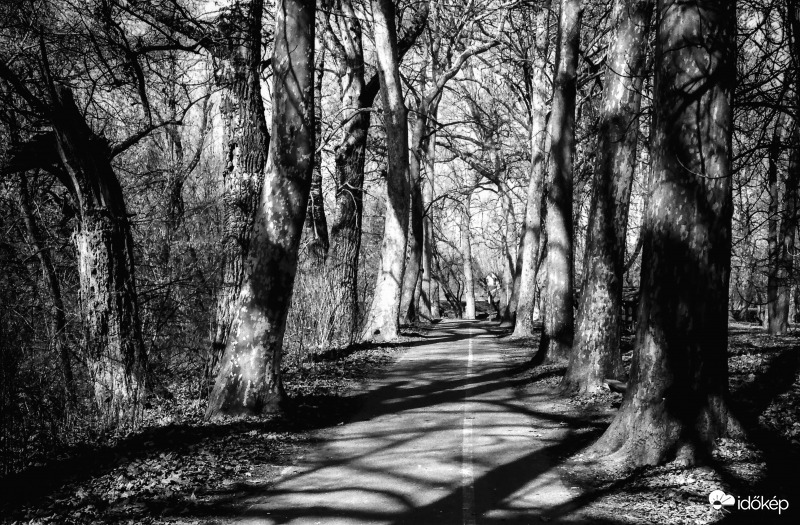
x=596, y=356
x=358, y=97
x=382, y=319
x=557, y=335
x=249, y=380
x=532, y=225
x=675, y=404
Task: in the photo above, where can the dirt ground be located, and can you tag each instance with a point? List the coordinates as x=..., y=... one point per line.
x=178, y=463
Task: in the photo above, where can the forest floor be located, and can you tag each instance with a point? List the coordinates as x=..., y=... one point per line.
x=451, y=425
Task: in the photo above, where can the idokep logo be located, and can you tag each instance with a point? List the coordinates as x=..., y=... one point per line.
x=719, y=499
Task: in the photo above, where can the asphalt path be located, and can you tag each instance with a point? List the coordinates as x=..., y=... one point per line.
x=443, y=438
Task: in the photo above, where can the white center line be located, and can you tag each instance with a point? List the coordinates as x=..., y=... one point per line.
x=467, y=472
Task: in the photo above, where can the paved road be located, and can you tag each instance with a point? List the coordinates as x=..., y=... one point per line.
x=445, y=439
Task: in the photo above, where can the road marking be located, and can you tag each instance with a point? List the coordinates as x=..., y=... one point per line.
x=467, y=471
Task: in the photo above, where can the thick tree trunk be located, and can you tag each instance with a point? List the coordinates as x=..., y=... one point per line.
x=249, y=381
x=107, y=291
x=532, y=226
x=58, y=320
x=466, y=251
x=559, y=317
x=675, y=404
x=382, y=319
x=246, y=144
x=416, y=240
x=343, y=258
x=596, y=355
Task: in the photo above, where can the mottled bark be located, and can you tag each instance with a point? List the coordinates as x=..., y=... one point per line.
x=559, y=317
x=246, y=144
x=58, y=320
x=108, y=301
x=596, y=354
x=532, y=226
x=466, y=252
x=675, y=403
x=382, y=319
x=249, y=381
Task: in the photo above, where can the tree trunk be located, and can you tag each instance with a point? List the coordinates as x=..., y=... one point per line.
x=429, y=307
x=107, y=291
x=246, y=144
x=416, y=240
x=316, y=222
x=596, y=354
x=532, y=226
x=786, y=240
x=777, y=313
x=249, y=381
x=510, y=255
x=349, y=158
x=559, y=317
x=466, y=250
x=58, y=320
x=382, y=319
x=675, y=404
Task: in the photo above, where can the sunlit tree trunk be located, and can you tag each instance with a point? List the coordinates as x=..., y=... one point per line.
x=596, y=355
x=382, y=319
x=466, y=252
x=675, y=404
x=559, y=318
x=532, y=225
x=246, y=143
x=249, y=381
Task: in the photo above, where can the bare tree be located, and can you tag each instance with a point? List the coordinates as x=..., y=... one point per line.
x=675, y=404
x=596, y=356
x=559, y=322
x=249, y=380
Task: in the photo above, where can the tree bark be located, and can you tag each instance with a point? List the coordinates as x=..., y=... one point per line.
x=109, y=306
x=382, y=319
x=596, y=354
x=675, y=404
x=466, y=250
x=316, y=221
x=559, y=317
x=249, y=381
x=246, y=145
x=532, y=226
x=416, y=240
